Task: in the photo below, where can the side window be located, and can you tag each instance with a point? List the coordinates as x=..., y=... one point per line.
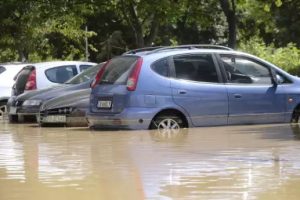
x=84, y=67
x=161, y=67
x=198, y=67
x=61, y=74
x=245, y=71
x=2, y=69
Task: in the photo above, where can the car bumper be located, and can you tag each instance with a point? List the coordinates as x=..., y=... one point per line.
x=24, y=111
x=73, y=119
x=130, y=118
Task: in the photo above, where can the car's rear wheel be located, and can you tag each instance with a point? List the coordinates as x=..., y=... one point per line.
x=167, y=122
x=2, y=108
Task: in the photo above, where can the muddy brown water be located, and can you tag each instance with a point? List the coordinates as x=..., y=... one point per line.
x=237, y=162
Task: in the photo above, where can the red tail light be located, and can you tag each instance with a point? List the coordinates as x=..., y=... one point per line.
x=31, y=81
x=99, y=75
x=134, y=75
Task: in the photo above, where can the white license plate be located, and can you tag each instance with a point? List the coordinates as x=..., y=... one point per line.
x=55, y=119
x=13, y=110
x=104, y=104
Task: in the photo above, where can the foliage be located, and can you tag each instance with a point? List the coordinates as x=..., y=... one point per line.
x=37, y=29
x=55, y=29
x=288, y=57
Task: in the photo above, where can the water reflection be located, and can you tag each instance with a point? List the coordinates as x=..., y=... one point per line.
x=238, y=162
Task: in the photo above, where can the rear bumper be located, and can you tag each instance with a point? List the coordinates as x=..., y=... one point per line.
x=130, y=118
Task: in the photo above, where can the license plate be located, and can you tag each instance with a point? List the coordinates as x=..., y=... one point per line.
x=12, y=110
x=55, y=119
x=104, y=104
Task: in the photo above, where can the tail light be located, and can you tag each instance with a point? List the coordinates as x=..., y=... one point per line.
x=31, y=81
x=134, y=75
x=99, y=75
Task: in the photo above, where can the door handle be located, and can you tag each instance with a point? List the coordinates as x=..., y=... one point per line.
x=181, y=92
x=237, y=96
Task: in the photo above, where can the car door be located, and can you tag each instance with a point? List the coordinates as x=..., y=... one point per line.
x=198, y=89
x=253, y=97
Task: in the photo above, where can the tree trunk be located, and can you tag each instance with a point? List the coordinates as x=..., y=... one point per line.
x=133, y=20
x=153, y=31
x=229, y=11
x=23, y=55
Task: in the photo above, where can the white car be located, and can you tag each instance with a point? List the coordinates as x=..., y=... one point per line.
x=46, y=74
x=7, y=74
x=43, y=75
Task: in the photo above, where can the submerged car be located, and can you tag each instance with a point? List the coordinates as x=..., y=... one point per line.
x=66, y=110
x=46, y=74
x=190, y=86
x=27, y=105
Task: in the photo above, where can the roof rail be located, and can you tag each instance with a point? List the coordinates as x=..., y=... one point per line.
x=193, y=46
x=134, y=51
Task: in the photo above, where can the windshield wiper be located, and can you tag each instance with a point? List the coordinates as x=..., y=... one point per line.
x=106, y=81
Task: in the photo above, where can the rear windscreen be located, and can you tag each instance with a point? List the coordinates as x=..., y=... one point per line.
x=2, y=69
x=118, y=69
x=22, y=79
x=87, y=75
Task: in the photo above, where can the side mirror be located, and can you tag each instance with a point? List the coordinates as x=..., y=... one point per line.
x=279, y=78
x=276, y=78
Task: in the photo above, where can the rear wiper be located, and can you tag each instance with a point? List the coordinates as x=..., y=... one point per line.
x=106, y=81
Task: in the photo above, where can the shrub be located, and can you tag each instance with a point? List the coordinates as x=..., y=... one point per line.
x=287, y=58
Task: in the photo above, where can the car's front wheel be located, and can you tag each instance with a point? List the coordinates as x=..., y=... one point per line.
x=2, y=108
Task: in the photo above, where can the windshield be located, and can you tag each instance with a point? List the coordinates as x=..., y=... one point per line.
x=86, y=75
x=118, y=69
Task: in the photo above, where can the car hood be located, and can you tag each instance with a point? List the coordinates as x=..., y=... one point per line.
x=52, y=92
x=78, y=99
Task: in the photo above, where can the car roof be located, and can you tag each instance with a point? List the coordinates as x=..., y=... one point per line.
x=58, y=63
x=171, y=52
x=10, y=65
x=13, y=67
x=181, y=49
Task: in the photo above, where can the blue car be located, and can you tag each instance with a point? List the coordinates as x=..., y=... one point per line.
x=191, y=86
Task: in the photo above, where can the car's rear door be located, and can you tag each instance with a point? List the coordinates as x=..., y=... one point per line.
x=253, y=98
x=197, y=88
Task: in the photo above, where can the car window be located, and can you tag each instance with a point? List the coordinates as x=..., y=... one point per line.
x=84, y=67
x=2, y=69
x=199, y=68
x=118, y=69
x=87, y=75
x=61, y=74
x=161, y=67
x=21, y=79
x=245, y=71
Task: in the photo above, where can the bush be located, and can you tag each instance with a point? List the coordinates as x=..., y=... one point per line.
x=287, y=58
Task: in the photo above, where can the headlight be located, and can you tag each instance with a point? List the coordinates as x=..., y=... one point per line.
x=32, y=103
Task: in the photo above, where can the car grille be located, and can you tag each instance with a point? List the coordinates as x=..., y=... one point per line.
x=57, y=111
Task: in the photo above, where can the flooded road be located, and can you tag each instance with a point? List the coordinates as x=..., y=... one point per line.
x=238, y=162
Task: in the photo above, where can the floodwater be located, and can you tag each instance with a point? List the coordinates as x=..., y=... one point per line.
x=237, y=162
